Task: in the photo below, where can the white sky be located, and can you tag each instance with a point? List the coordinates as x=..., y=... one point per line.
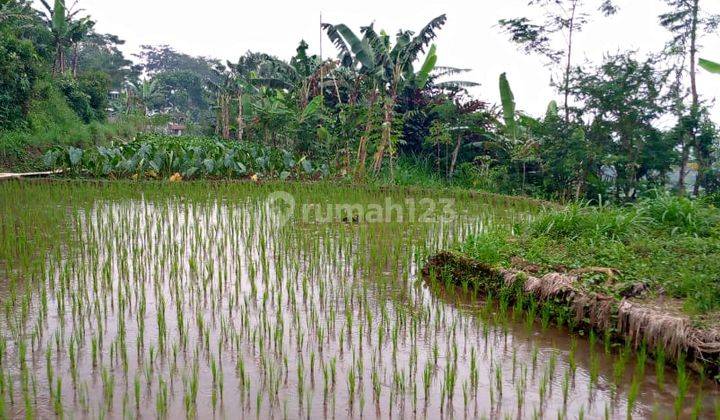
x=225, y=29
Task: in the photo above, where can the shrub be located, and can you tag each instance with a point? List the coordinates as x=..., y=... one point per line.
x=19, y=71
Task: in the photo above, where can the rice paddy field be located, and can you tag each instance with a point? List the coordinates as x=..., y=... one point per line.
x=209, y=300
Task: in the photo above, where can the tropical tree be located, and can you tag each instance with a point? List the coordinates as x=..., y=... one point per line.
x=622, y=99
x=387, y=67
x=67, y=32
x=516, y=135
x=687, y=23
x=223, y=87
x=563, y=19
x=142, y=94
x=101, y=52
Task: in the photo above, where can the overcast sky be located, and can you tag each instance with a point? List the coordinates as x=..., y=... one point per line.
x=225, y=29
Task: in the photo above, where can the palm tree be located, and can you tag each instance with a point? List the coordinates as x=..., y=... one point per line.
x=387, y=67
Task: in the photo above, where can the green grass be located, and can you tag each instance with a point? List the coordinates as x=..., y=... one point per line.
x=669, y=243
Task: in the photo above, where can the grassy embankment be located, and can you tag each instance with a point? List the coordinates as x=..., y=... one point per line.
x=647, y=273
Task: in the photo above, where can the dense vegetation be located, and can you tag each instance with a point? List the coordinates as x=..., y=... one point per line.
x=384, y=99
x=131, y=297
x=153, y=157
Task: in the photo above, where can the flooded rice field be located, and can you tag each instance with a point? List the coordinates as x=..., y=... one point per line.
x=209, y=300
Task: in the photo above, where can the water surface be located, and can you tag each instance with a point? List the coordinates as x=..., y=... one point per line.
x=201, y=300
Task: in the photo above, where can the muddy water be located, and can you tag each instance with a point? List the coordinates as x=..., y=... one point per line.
x=189, y=302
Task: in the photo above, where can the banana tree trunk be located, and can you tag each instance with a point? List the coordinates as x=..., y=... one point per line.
x=362, y=147
x=455, y=154
x=128, y=105
x=386, y=134
x=59, y=66
x=240, y=121
x=226, y=117
x=75, y=60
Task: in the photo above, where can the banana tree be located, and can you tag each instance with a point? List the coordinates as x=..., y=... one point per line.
x=240, y=81
x=256, y=70
x=66, y=30
x=515, y=136
x=387, y=67
x=141, y=94
x=223, y=85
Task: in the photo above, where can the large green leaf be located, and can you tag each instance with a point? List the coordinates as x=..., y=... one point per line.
x=358, y=48
x=59, y=22
x=423, y=38
x=424, y=74
x=314, y=106
x=508, y=104
x=710, y=66
x=75, y=155
x=345, y=55
x=377, y=45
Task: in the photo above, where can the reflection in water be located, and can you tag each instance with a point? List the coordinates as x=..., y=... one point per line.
x=203, y=302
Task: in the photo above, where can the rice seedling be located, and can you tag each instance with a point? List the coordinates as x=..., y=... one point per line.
x=660, y=367
x=157, y=299
x=632, y=396
x=682, y=386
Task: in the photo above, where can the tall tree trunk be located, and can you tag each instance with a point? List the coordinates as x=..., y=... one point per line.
x=62, y=61
x=455, y=154
x=389, y=108
x=580, y=186
x=568, y=66
x=59, y=65
x=226, y=117
x=218, y=117
x=129, y=102
x=75, y=61
x=695, y=111
x=240, y=121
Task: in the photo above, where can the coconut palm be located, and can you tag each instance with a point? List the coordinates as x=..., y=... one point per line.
x=388, y=67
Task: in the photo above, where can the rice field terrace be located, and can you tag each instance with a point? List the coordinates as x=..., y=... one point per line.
x=225, y=300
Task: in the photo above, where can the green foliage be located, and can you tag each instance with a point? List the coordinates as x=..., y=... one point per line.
x=154, y=156
x=19, y=71
x=96, y=85
x=583, y=221
x=680, y=215
x=386, y=97
x=50, y=117
x=181, y=90
x=710, y=66
x=78, y=100
x=424, y=74
x=508, y=105
x=667, y=242
x=51, y=122
x=101, y=53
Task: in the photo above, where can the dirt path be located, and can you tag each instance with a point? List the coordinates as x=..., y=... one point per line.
x=4, y=176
